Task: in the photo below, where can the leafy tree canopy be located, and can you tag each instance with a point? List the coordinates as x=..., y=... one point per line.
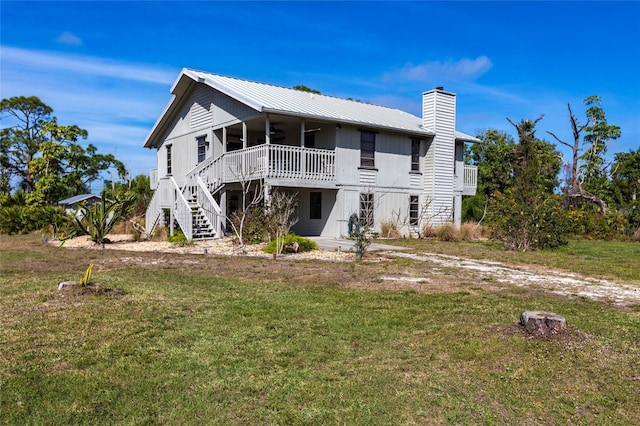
x=45, y=157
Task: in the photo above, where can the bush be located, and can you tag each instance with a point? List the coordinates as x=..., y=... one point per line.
x=17, y=219
x=178, y=238
x=305, y=244
x=428, y=231
x=388, y=229
x=470, y=231
x=538, y=223
x=447, y=232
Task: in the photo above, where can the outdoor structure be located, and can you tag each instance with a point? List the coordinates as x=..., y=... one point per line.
x=346, y=160
x=72, y=204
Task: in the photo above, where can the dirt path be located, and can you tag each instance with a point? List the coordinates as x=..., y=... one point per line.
x=557, y=282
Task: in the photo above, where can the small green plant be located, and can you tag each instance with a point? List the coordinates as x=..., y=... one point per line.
x=178, y=238
x=304, y=244
x=87, y=276
x=98, y=220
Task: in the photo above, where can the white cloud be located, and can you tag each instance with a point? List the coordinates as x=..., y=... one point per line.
x=69, y=38
x=117, y=102
x=85, y=65
x=436, y=71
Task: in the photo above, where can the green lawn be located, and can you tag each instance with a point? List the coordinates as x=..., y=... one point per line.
x=188, y=344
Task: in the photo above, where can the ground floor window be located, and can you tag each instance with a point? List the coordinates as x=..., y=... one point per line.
x=366, y=210
x=414, y=210
x=315, y=205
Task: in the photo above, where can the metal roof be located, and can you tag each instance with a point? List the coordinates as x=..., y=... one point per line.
x=275, y=99
x=267, y=98
x=77, y=199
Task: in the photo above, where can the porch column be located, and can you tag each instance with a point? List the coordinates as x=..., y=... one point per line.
x=302, y=129
x=244, y=135
x=267, y=131
x=267, y=193
x=457, y=209
x=223, y=207
x=224, y=140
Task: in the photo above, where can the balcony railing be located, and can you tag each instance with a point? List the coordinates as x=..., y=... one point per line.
x=268, y=161
x=469, y=180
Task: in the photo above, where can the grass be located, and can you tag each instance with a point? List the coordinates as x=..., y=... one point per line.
x=245, y=341
x=604, y=259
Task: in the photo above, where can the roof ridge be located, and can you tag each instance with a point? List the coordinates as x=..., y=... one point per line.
x=298, y=91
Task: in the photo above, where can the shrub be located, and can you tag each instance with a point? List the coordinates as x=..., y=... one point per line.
x=539, y=223
x=447, y=232
x=305, y=244
x=20, y=219
x=428, y=231
x=470, y=231
x=388, y=229
x=178, y=238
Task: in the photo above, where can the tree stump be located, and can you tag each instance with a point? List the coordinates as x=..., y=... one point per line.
x=541, y=322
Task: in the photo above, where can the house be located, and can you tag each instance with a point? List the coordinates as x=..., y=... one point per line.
x=344, y=159
x=72, y=204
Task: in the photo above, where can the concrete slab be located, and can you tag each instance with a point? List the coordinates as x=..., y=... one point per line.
x=333, y=244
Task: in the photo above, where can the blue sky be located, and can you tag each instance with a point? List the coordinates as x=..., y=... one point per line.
x=108, y=66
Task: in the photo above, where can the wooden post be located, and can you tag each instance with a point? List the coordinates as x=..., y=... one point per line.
x=224, y=140
x=244, y=135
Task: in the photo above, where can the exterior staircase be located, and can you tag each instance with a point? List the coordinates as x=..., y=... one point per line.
x=201, y=227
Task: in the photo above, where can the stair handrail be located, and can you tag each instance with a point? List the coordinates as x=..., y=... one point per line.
x=210, y=170
x=183, y=211
x=153, y=213
x=208, y=205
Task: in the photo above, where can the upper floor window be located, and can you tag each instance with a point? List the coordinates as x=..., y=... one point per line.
x=168, y=159
x=202, y=148
x=415, y=155
x=367, y=149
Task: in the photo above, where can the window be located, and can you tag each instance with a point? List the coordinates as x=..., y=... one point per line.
x=414, y=210
x=202, y=148
x=415, y=155
x=366, y=210
x=367, y=149
x=315, y=205
x=168, y=159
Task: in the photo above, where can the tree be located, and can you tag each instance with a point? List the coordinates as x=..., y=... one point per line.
x=528, y=215
x=19, y=144
x=45, y=156
x=280, y=217
x=303, y=88
x=588, y=177
x=626, y=184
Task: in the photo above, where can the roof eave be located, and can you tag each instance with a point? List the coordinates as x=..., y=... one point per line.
x=418, y=132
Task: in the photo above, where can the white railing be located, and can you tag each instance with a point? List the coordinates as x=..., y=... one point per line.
x=470, y=180
x=162, y=198
x=279, y=162
x=210, y=171
x=211, y=209
x=154, y=212
x=153, y=178
x=246, y=164
x=182, y=211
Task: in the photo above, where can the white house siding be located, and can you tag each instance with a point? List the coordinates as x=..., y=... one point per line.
x=439, y=114
x=326, y=225
x=228, y=111
x=201, y=103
